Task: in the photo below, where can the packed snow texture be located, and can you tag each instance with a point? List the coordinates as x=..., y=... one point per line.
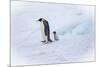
x=74, y=24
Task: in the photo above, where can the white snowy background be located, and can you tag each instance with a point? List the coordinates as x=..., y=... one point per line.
x=74, y=24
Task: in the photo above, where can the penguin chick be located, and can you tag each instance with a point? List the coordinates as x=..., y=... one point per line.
x=55, y=35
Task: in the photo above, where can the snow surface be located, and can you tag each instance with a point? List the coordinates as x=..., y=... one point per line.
x=74, y=24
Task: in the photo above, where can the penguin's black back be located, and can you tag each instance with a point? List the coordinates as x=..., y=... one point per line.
x=46, y=29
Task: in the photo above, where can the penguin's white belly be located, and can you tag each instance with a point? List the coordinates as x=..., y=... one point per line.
x=42, y=31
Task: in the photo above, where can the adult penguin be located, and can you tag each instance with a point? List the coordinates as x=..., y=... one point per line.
x=45, y=30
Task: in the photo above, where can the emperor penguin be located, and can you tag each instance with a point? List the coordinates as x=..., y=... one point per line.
x=45, y=30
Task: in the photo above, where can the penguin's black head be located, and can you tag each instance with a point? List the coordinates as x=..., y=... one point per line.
x=40, y=19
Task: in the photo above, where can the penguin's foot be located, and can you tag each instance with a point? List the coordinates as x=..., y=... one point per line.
x=43, y=41
x=47, y=42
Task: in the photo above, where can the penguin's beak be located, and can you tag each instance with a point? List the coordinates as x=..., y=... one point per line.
x=35, y=21
x=38, y=20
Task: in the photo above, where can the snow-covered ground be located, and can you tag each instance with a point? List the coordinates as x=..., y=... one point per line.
x=74, y=24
